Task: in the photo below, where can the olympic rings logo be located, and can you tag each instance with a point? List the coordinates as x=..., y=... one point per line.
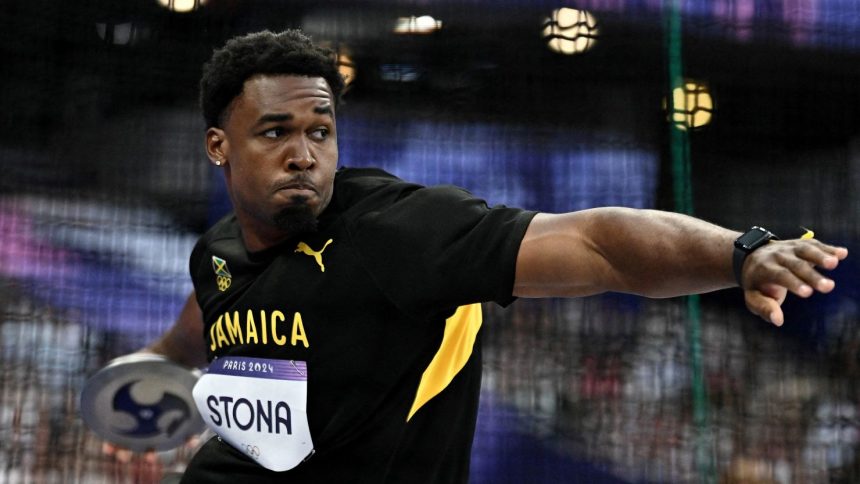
x=251, y=450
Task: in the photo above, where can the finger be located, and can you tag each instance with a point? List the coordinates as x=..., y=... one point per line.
x=123, y=455
x=803, y=277
x=768, y=302
x=192, y=442
x=150, y=457
x=781, y=274
x=838, y=252
x=108, y=448
x=766, y=306
x=822, y=255
x=834, y=250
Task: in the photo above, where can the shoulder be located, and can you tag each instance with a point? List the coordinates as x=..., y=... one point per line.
x=360, y=190
x=359, y=181
x=363, y=181
x=225, y=230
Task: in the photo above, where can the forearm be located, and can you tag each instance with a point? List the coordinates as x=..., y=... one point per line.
x=646, y=252
x=183, y=343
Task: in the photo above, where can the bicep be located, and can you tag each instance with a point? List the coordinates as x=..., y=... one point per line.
x=559, y=258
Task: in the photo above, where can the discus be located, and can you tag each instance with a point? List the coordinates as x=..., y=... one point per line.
x=142, y=402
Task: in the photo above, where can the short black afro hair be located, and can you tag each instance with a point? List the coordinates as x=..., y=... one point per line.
x=287, y=52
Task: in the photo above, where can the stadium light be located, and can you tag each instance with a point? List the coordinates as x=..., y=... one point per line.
x=124, y=33
x=346, y=67
x=693, y=105
x=182, y=6
x=570, y=31
x=424, y=24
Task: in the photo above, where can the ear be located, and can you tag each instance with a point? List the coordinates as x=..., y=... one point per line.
x=217, y=146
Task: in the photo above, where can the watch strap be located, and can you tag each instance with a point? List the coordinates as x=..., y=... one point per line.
x=748, y=242
x=738, y=258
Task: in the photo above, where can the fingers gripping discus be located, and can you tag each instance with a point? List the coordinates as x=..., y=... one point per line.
x=142, y=402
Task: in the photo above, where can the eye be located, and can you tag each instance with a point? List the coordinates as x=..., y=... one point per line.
x=273, y=133
x=319, y=134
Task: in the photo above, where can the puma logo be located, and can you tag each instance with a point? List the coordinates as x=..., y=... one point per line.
x=317, y=255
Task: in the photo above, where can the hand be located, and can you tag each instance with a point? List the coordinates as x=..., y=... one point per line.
x=124, y=465
x=773, y=270
x=145, y=467
x=148, y=467
x=125, y=456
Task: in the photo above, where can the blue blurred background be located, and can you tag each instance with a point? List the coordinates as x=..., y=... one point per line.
x=105, y=188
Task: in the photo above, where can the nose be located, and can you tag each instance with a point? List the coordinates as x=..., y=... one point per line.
x=300, y=164
x=299, y=156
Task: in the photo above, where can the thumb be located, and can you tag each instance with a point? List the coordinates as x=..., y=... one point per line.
x=766, y=303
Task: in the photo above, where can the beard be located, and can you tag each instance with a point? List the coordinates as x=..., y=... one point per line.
x=296, y=218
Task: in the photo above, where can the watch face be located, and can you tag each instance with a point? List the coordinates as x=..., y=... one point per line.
x=753, y=239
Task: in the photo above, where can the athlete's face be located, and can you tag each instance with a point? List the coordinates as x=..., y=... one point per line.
x=278, y=147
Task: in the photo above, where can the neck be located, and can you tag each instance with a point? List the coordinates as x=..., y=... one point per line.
x=257, y=244
x=257, y=237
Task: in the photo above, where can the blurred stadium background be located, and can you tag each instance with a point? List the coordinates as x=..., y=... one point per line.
x=105, y=187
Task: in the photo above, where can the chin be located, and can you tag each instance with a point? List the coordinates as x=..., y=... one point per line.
x=296, y=218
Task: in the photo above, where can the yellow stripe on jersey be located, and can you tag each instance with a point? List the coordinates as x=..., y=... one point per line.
x=461, y=329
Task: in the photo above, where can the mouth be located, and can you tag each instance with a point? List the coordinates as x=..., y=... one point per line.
x=296, y=188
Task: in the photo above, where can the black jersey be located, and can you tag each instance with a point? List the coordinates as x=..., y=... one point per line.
x=380, y=304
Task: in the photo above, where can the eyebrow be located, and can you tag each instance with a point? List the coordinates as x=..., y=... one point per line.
x=273, y=118
x=326, y=109
x=281, y=117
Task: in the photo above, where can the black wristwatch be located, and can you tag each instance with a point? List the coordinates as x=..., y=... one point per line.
x=751, y=240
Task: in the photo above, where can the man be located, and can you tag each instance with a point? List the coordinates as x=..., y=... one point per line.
x=337, y=309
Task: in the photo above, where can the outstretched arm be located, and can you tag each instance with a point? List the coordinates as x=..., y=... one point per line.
x=662, y=254
x=183, y=343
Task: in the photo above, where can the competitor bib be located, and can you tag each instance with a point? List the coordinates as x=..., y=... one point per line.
x=258, y=406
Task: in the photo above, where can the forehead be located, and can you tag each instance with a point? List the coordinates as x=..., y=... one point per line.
x=280, y=93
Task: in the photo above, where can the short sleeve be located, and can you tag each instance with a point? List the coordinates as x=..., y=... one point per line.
x=440, y=247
